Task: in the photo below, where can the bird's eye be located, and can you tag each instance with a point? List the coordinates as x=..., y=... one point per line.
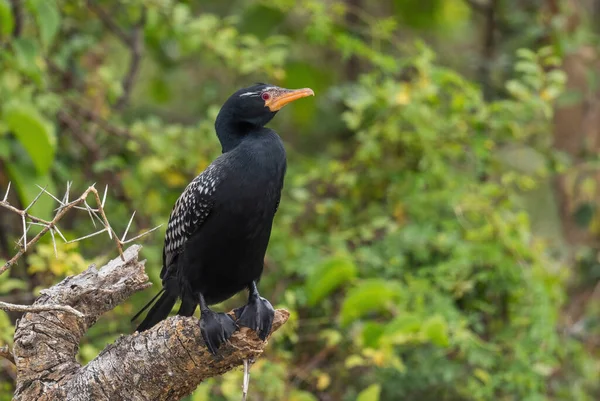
x=265, y=96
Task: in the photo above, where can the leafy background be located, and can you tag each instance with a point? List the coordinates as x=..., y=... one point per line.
x=437, y=237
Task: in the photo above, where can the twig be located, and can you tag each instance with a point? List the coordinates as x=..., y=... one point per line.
x=107, y=21
x=78, y=131
x=136, y=45
x=7, y=354
x=17, y=12
x=95, y=117
x=39, y=308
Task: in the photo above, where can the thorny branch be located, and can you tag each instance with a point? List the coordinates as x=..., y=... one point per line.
x=96, y=214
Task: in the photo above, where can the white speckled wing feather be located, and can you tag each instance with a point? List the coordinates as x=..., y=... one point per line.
x=190, y=211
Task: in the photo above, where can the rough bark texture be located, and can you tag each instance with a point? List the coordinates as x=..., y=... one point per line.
x=166, y=362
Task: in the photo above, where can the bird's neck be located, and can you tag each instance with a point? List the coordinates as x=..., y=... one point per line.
x=230, y=131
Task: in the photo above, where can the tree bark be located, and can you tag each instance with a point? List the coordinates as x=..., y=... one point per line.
x=166, y=362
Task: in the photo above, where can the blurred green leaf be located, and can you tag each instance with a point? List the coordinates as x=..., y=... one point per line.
x=371, y=393
x=584, y=214
x=299, y=395
x=47, y=17
x=34, y=131
x=328, y=276
x=7, y=22
x=436, y=330
x=26, y=53
x=373, y=295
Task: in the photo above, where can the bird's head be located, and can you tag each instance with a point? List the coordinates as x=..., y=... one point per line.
x=258, y=104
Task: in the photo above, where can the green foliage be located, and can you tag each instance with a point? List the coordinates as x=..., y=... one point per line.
x=402, y=247
x=327, y=277
x=370, y=394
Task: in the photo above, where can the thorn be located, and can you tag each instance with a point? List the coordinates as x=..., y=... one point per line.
x=104, y=197
x=53, y=242
x=24, y=232
x=35, y=199
x=128, y=225
x=141, y=235
x=53, y=197
x=66, y=197
x=7, y=191
x=87, y=236
x=59, y=233
x=89, y=210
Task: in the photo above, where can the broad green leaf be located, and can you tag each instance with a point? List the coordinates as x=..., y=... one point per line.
x=371, y=393
x=7, y=22
x=48, y=19
x=436, y=330
x=373, y=295
x=330, y=275
x=34, y=132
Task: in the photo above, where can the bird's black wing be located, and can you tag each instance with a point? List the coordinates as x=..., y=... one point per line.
x=189, y=213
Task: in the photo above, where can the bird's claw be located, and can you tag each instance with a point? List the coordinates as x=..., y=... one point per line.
x=258, y=315
x=216, y=329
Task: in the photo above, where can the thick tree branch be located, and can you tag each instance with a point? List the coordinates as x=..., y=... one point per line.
x=166, y=362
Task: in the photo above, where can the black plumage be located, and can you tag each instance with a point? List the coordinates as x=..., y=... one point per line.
x=220, y=226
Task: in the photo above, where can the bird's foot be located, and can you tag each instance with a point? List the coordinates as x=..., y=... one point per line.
x=258, y=315
x=216, y=328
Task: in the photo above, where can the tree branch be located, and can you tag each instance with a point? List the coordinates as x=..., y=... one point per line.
x=17, y=12
x=136, y=45
x=41, y=308
x=6, y=353
x=166, y=362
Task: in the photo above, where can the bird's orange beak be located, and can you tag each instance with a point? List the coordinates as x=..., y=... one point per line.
x=281, y=97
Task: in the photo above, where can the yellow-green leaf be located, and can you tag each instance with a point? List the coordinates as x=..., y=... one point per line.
x=298, y=395
x=371, y=393
x=7, y=22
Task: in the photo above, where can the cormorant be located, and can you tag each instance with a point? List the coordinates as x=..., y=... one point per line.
x=220, y=226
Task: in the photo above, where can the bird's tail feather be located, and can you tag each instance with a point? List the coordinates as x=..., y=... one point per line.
x=159, y=311
x=149, y=304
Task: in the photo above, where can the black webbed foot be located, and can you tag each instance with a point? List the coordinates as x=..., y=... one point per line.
x=258, y=315
x=216, y=329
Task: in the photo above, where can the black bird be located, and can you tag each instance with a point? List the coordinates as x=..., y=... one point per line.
x=220, y=226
